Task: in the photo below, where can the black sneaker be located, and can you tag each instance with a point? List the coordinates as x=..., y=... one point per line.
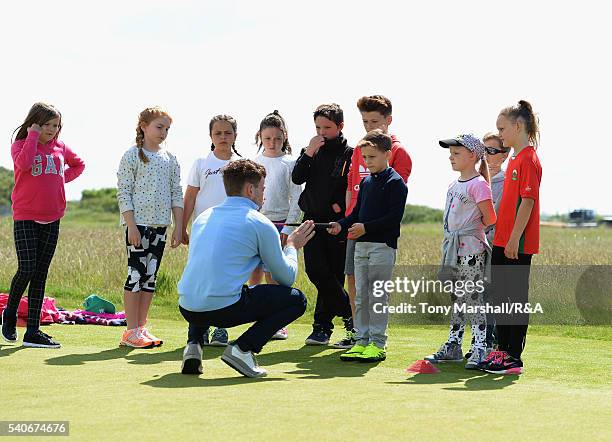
x=39, y=339
x=503, y=364
x=318, y=336
x=206, y=337
x=348, y=341
x=219, y=338
x=9, y=329
x=348, y=323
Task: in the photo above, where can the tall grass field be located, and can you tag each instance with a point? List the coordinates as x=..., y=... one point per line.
x=91, y=258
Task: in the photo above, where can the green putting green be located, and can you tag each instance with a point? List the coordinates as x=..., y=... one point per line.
x=110, y=392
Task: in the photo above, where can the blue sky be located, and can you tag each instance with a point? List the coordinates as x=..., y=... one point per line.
x=448, y=67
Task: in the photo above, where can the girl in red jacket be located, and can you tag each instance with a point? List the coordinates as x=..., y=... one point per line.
x=42, y=164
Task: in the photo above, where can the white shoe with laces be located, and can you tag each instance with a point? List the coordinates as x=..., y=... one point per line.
x=243, y=362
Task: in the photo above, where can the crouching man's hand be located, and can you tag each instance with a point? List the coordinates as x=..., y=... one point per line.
x=301, y=235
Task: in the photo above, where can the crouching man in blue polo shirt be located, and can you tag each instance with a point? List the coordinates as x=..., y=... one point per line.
x=227, y=242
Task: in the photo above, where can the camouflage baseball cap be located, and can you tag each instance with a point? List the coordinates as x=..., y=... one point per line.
x=469, y=141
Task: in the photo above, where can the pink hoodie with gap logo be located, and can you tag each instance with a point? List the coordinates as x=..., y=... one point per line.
x=40, y=173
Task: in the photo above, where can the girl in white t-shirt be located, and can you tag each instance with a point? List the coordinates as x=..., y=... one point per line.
x=281, y=195
x=204, y=190
x=465, y=250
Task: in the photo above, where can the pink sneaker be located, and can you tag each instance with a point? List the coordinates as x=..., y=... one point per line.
x=282, y=334
x=135, y=338
x=504, y=364
x=494, y=355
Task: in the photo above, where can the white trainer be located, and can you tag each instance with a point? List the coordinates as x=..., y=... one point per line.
x=243, y=362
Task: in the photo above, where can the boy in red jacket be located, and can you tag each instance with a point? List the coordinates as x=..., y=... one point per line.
x=376, y=114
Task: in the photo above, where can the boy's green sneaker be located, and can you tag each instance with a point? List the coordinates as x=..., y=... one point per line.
x=373, y=353
x=353, y=354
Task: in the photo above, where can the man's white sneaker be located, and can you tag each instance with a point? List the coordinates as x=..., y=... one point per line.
x=192, y=359
x=243, y=362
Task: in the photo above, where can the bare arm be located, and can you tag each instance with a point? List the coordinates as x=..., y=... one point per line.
x=133, y=233
x=520, y=222
x=488, y=212
x=177, y=213
x=188, y=205
x=348, y=197
x=129, y=218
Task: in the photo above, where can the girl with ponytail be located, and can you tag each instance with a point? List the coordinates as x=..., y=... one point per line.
x=149, y=194
x=205, y=189
x=517, y=233
x=281, y=195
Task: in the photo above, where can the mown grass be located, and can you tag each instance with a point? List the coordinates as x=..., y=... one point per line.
x=108, y=392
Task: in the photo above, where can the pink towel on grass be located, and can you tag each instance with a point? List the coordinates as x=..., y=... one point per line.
x=51, y=315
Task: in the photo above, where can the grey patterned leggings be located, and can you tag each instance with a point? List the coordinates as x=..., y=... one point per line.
x=469, y=268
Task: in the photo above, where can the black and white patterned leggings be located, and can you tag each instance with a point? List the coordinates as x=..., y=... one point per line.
x=469, y=268
x=144, y=260
x=35, y=245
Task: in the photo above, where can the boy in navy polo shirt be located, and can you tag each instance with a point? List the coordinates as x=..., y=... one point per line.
x=375, y=225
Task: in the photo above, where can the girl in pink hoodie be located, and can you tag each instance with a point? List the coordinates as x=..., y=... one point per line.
x=42, y=164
